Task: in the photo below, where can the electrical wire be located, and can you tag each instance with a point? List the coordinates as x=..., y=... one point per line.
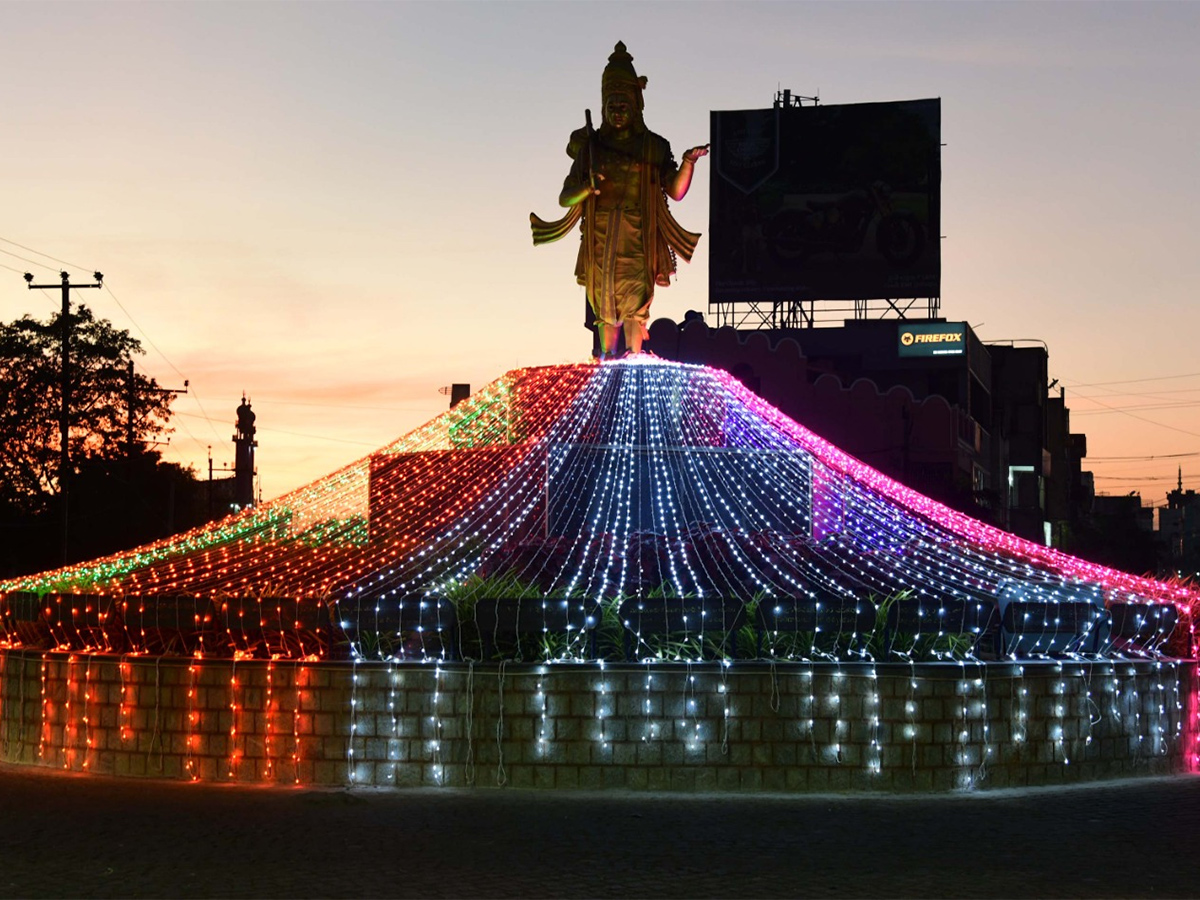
x=1157, y=395
x=1131, y=415
x=1129, y=479
x=1143, y=408
x=1131, y=380
x=319, y=437
x=188, y=431
x=1092, y=459
x=191, y=389
x=32, y=262
x=1107, y=408
x=421, y=407
x=69, y=265
x=141, y=330
x=269, y=430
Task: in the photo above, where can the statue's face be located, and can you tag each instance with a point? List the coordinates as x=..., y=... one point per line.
x=618, y=110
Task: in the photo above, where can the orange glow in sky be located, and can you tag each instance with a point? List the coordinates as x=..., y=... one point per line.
x=326, y=205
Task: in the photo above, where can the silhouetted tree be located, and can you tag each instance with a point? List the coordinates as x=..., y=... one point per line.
x=102, y=401
x=122, y=494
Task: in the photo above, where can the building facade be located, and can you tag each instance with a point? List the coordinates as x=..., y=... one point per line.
x=973, y=425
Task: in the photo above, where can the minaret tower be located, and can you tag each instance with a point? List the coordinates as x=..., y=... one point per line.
x=243, y=459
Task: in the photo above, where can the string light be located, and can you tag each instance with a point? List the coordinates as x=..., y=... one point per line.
x=192, y=725
x=234, y=756
x=299, y=678
x=436, y=722
x=609, y=479
x=267, y=716
x=44, y=733
x=875, y=751
x=393, y=744
x=690, y=723
x=68, y=724
x=540, y=700
x=648, y=730
x=123, y=713
x=590, y=484
x=350, y=768
x=85, y=718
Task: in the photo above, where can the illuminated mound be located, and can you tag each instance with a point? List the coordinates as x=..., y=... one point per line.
x=600, y=480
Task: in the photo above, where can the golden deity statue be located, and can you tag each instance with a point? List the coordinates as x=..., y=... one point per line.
x=621, y=176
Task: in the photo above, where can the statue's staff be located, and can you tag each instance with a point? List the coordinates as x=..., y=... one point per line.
x=589, y=210
x=591, y=134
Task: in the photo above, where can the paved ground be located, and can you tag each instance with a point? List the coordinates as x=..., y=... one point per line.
x=66, y=835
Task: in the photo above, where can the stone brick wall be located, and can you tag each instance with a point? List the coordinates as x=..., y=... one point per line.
x=746, y=727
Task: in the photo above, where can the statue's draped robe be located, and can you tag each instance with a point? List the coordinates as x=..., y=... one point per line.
x=629, y=238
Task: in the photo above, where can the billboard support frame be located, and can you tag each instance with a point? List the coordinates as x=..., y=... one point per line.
x=787, y=315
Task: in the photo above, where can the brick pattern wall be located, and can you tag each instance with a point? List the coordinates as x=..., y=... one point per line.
x=748, y=727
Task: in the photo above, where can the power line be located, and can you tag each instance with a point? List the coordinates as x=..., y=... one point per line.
x=47, y=255
x=1144, y=406
x=32, y=262
x=1112, y=393
x=318, y=437
x=1091, y=459
x=142, y=331
x=157, y=350
x=433, y=406
x=188, y=431
x=107, y=287
x=1132, y=380
x=323, y=437
x=167, y=360
x=1144, y=419
x=1131, y=479
x=137, y=326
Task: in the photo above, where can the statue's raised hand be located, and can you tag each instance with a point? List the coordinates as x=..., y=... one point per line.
x=695, y=153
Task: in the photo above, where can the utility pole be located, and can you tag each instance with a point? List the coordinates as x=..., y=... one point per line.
x=131, y=402
x=224, y=476
x=64, y=422
x=130, y=399
x=131, y=444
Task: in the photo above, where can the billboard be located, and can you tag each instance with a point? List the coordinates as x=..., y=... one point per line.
x=940, y=339
x=826, y=202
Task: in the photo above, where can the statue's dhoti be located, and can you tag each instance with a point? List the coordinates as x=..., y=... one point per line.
x=621, y=284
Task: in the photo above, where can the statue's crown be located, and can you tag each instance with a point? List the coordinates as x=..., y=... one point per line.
x=619, y=74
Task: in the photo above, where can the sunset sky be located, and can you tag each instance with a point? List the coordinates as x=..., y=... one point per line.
x=325, y=205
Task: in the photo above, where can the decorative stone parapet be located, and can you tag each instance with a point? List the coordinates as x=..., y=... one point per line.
x=706, y=726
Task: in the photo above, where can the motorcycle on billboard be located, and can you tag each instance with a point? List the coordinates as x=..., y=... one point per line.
x=848, y=224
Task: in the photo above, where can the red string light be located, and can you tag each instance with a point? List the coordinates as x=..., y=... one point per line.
x=738, y=494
